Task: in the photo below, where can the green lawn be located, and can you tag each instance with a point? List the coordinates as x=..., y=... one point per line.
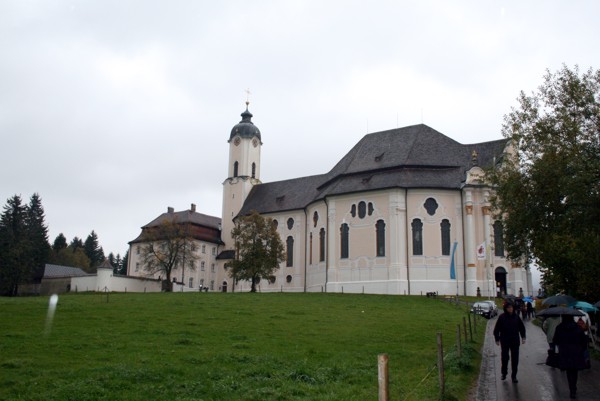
x=202, y=346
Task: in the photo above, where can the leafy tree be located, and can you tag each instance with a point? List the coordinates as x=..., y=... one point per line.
x=60, y=242
x=93, y=250
x=166, y=247
x=73, y=257
x=15, y=247
x=259, y=249
x=548, y=187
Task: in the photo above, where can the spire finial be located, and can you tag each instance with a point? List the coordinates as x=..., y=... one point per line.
x=247, y=97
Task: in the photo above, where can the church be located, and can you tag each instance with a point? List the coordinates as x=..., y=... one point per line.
x=405, y=211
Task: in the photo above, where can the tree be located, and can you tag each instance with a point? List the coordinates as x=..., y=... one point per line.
x=167, y=246
x=60, y=242
x=72, y=256
x=548, y=187
x=93, y=250
x=15, y=247
x=76, y=242
x=37, y=234
x=124, y=262
x=259, y=249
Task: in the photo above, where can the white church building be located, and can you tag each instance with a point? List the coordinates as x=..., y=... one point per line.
x=405, y=211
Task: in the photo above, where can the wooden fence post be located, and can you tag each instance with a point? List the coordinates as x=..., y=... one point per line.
x=465, y=329
x=383, y=377
x=440, y=363
x=458, y=345
x=470, y=327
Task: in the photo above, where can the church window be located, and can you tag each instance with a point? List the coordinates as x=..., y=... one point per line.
x=253, y=170
x=344, y=234
x=137, y=267
x=202, y=266
x=137, y=250
x=362, y=210
x=203, y=248
x=353, y=210
x=212, y=285
x=310, y=242
x=315, y=218
x=290, y=223
x=380, y=235
x=272, y=279
x=275, y=224
x=445, y=228
x=498, y=239
x=288, y=278
x=290, y=251
x=371, y=209
x=214, y=250
x=212, y=267
x=235, y=169
x=322, y=245
x=191, y=283
x=431, y=206
x=417, y=237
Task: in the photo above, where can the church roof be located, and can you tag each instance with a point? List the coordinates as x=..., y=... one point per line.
x=245, y=128
x=411, y=157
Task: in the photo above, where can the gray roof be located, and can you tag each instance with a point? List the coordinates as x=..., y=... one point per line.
x=186, y=216
x=411, y=157
x=53, y=271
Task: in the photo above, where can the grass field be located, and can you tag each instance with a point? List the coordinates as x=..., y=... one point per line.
x=202, y=346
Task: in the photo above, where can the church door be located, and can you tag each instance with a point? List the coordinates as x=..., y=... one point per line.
x=500, y=281
x=224, y=286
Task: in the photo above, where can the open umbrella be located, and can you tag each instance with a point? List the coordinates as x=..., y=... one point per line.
x=586, y=306
x=558, y=311
x=528, y=299
x=559, y=300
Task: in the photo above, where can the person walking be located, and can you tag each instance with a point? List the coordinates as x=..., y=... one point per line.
x=509, y=333
x=572, y=344
x=549, y=327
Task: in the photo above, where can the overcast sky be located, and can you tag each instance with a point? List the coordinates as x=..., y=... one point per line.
x=114, y=110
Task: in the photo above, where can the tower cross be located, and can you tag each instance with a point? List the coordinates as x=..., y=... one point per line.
x=247, y=96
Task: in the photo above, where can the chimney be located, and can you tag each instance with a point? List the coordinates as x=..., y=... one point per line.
x=170, y=209
x=193, y=208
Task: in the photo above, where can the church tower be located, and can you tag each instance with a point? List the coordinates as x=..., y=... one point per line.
x=243, y=171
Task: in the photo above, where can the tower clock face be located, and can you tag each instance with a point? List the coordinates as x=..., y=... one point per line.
x=237, y=141
x=255, y=142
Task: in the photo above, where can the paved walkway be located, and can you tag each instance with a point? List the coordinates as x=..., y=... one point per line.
x=537, y=381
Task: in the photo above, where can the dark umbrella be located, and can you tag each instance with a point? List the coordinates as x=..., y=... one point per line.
x=558, y=311
x=559, y=300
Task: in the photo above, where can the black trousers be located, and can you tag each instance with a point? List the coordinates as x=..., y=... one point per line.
x=572, y=379
x=513, y=348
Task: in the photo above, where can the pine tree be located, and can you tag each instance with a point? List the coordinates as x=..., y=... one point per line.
x=93, y=250
x=15, y=248
x=60, y=242
x=124, y=263
x=76, y=243
x=37, y=233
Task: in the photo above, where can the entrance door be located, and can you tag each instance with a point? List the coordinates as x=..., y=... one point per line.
x=224, y=286
x=500, y=281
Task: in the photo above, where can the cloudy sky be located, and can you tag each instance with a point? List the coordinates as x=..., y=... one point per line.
x=114, y=110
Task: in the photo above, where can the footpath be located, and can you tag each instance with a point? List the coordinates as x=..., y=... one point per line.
x=537, y=381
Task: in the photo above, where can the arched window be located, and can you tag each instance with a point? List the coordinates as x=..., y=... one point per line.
x=445, y=227
x=353, y=210
x=315, y=218
x=417, y=237
x=275, y=224
x=498, y=239
x=344, y=234
x=362, y=210
x=253, y=170
x=371, y=208
x=380, y=234
x=290, y=223
x=431, y=206
x=290, y=251
x=322, y=245
x=235, y=169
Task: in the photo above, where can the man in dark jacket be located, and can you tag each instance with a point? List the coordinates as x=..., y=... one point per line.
x=572, y=343
x=509, y=333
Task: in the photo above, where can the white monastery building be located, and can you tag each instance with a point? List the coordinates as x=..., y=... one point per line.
x=405, y=211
